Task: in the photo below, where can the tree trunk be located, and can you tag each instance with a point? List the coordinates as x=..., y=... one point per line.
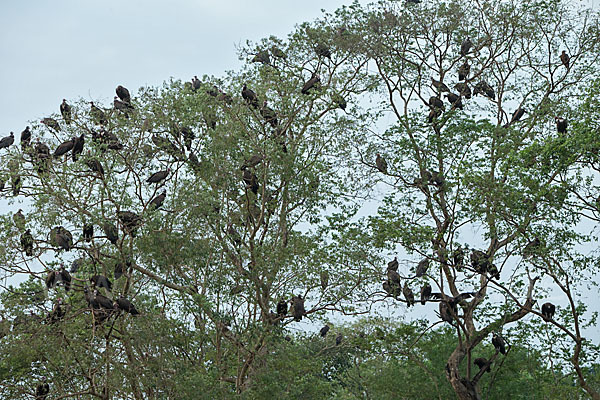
x=464, y=389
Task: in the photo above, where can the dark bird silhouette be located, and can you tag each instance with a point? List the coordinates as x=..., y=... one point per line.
x=561, y=124
x=41, y=390
x=322, y=50
x=78, y=142
x=196, y=83
x=76, y=265
x=393, y=265
x=97, y=114
x=425, y=293
x=250, y=180
x=15, y=183
x=338, y=339
x=463, y=89
x=324, y=277
x=434, y=113
x=408, y=295
x=422, y=267
x=441, y=86
x=61, y=276
x=51, y=123
x=158, y=200
x=282, y=308
x=65, y=277
x=313, y=82
x=339, y=101
x=111, y=232
x=63, y=148
x=324, y=330
x=103, y=301
x=465, y=47
x=447, y=311
x=455, y=101
x=95, y=166
x=123, y=304
x=381, y=164
x=548, y=310
x=482, y=363
x=250, y=97
x=565, y=59
x=393, y=277
x=277, y=52
x=19, y=220
x=7, y=141
x=119, y=269
x=517, y=114
x=484, y=88
x=463, y=71
x=99, y=281
x=65, y=110
x=252, y=162
x=25, y=138
x=27, y=243
x=57, y=312
x=123, y=94
x=297, y=308
x=188, y=137
x=498, y=342
x=436, y=102
x=61, y=237
x=130, y=220
x=262, y=57
x=125, y=108
x=532, y=247
x=158, y=176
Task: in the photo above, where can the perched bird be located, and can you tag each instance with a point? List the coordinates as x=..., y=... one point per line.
x=25, y=137
x=269, y=115
x=76, y=265
x=465, y=46
x=381, y=164
x=78, y=142
x=434, y=113
x=61, y=276
x=339, y=101
x=338, y=339
x=97, y=114
x=277, y=52
x=455, y=100
x=393, y=265
x=322, y=50
x=517, y=114
x=441, y=86
x=393, y=277
x=111, y=232
x=262, y=57
x=498, y=342
x=436, y=102
x=463, y=89
x=99, y=281
x=41, y=390
x=123, y=304
x=7, y=141
x=324, y=277
x=51, y=123
x=564, y=58
x=484, y=88
x=548, y=310
x=61, y=237
x=103, y=301
x=19, y=219
x=313, y=82
x=482, y=363
x=282, y=308
x=425, y=293
x=532, y=247
x=561, y=124
x=15, y=184
x=250, y=180
x=122, y=106
x=65, y=110
x=95, y=166
x=57, y=312
x=158, y=200
x=130, y=221
x=250, y=97
x=196, y=83
x=188, y=137
x=324, y=330
x=27, y=243
x=297, y=308
x=252, y=162
x=447, y=312
x=158, y=176
x=123, y=94
x=408, y=295
x=64, y=148
x=463, y=71
x=422, y=267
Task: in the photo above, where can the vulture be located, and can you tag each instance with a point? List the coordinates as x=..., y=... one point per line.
x=498, y=342
x=250, y=180
x=27, y=243
x=269, y=115
x=322, y=50
x=422, y=267
x=393, y=277
x=57, y=312
x=95, y=166
x=41, y=390
x=441, y=86
x=25, y=137
x=89, y=297
x=393, y=265
x=188, y=136
x=455, y=100
x=339, y=101
x=64, y=148
x=103, y=301
x=324, y=277
x=482, y=363
x=437, y=178
x=338, y=339
x=458, y=258
x=78, y=142
x=158, y=176
x=436, y=102
x=408, y=295
x=61, y=237
x=297, y=307
x=561, y=125
x=434, y=114
x=282, y=308
x=277, y=52
x=111, y=232
x=76, y=264
x=484, y=88
x=463, y=71
x=61, y=276
x=532, y=247
x=19, y=219
x=97, y=114
x=123, y=304
x=130, y=220
x=425, y=293
x=548, y=310
x=465, y=46
x=463, y=89
x=158, y=200
x=195, y=83
x=250, y=97
x=122, y=106
x=448, y=311
x=381, y=164
x=480, y=261
x=252, y=162
x=101, y=281
x=564, y=58
x=51, y=123
x=65, y=111
x=262, y=57
x=123, y=94
x=119, y=269
x=16, y=184
x=313, y=82
x=7, y=141
x=324, y=330
x=516, y=116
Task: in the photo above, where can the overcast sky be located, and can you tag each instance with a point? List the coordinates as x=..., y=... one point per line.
x=50, y=50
